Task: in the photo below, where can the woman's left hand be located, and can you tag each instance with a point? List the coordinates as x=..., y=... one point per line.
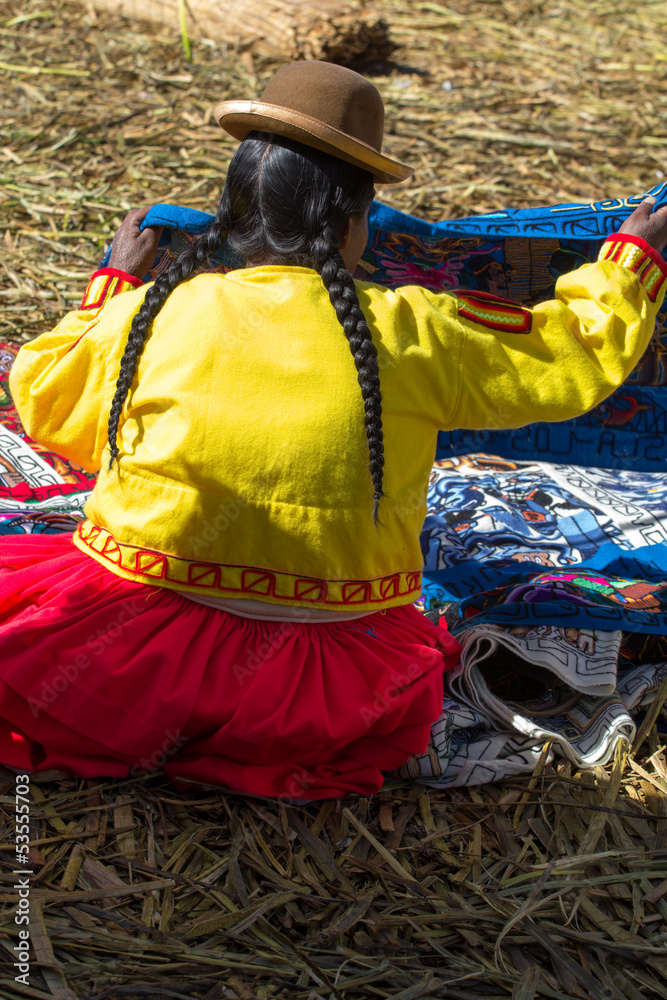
x=648, y=225
x=133, y=249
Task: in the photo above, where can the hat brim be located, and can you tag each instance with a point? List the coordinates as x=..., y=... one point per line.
x=238, y=118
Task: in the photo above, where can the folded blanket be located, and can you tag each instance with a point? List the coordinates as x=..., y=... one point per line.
x=580, y=597
x=39, y=492
x=517, y=689
x=571, y=656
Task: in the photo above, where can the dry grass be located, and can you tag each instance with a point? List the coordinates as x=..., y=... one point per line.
x=99, y=116
x=553, y=887
x=550, y=887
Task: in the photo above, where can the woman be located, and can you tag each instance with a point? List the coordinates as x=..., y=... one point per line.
x=239, y=599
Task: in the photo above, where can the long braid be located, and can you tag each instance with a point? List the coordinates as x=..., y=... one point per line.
x=343, y=295
x=283, y=203
x=194, y=258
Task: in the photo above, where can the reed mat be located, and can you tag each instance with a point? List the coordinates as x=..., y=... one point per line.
x=549, y=887
x=497, y=103
x=553, y=886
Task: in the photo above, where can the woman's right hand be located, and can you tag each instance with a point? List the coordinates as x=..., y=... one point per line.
x=134, y=249
x=647, y=224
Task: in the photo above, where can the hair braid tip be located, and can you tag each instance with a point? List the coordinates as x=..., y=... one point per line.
x=377, y=496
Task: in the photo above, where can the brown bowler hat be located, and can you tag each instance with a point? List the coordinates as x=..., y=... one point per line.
x=322, y=105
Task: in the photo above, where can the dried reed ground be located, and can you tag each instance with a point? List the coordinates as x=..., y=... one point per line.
x=550, y=887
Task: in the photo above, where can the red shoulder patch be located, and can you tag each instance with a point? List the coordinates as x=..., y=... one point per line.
x=493, y=312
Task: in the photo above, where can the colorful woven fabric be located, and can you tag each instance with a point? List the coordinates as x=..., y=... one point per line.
x=518, y=686
x=40, y=493
x=579, y=598
x=570, y=656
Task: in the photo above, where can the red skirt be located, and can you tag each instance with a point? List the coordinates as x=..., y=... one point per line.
x=101, y=676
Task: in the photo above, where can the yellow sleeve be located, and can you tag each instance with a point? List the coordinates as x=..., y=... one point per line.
x=572, y=352
x=62, y=383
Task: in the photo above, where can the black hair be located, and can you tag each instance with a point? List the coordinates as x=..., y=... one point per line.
x=283, y=203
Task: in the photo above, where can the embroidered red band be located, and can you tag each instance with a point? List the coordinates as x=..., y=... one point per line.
x=106, y=283
x=637, y=256
x=152, y=567
x=493, y=312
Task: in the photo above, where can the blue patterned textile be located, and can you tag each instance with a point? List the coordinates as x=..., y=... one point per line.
x=491, y=520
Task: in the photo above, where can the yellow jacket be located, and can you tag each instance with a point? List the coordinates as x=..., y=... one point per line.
x=244, y=466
